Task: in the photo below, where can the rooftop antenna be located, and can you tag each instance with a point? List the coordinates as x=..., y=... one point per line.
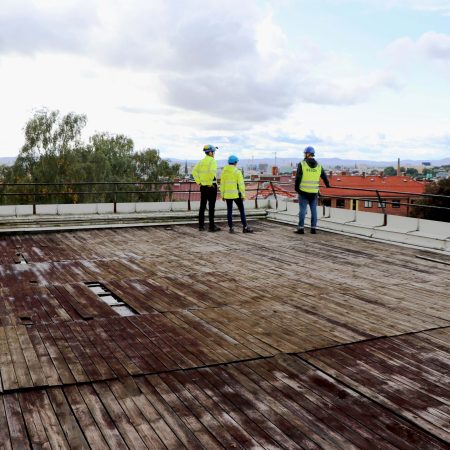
x=275, y=159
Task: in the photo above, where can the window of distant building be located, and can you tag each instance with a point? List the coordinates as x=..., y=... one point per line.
x=381, y=204
x=340, y=203
x=367, y=203
x=326, y=202
x=396, y=203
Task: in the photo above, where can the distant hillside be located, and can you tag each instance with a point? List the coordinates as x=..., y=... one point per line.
x=328, y=162
x=7, y=160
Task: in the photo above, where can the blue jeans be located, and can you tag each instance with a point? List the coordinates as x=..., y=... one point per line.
x=305, y=200
x=240, y=205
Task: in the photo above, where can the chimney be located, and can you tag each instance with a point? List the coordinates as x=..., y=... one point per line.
x=363, y=174
x=331, y=174
x=398, y=168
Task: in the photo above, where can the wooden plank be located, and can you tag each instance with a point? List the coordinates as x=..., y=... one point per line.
x=69, y=424
x=102, y=419
x=239, y=404
x=333, y=423
x=119, y=417
x=242, y=430
x=20, y=365
x=125, y=394
x=349, y=402
x=32, y=359
x=17, y=430
x=48, y=368
x=50, y=422
x=101, y=345
x=79, y=351
x=4, y=430
x=84, y=417
x=172, y=428
x=373, y=388
x=36, y=430
x=104, y=370
x=100, y=336
x=58, y=360
x=8, y=374
x=70, y=357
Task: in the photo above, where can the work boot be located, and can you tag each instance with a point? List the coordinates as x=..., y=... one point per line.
x=247, y=229
x=231, y=230
x=313, y=231
x=299, y=231
x=213, y=228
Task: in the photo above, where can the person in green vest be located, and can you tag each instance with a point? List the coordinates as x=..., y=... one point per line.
x=204, y=173
x=232, y=189
x=309, y=172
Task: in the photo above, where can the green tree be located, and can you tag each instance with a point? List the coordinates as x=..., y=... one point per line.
x=390, y=171
x=54, y=153
x=441, y=187
x=412, y=172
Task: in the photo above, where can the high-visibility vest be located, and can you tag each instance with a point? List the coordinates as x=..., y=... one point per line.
x=310, y=178
x=204, y=171
x=232, y=183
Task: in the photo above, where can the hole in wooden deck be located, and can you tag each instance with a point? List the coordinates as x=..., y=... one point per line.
x=111, y=299
x=20, y=259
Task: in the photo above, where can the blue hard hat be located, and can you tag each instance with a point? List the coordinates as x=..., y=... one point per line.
x=209, y=148
x=310, y=150
x=233, y=159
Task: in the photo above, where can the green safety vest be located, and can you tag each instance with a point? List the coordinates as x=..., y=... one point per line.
x=310, y=178
x=204, y=171
x=232, y=183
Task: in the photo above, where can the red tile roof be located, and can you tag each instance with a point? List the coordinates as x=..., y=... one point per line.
x=396, y=184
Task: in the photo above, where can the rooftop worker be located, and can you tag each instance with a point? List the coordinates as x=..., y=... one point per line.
x=204, y=174
x=232, y=189
x=309, y=172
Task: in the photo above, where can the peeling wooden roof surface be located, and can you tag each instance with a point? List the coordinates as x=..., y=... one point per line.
x=165, y=337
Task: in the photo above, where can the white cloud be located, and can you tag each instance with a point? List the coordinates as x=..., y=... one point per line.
x=430, y=45
x=173, y=74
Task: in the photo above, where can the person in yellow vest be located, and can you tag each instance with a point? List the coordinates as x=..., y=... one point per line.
x=204, y=173
x=309, y=172
x=232, y=189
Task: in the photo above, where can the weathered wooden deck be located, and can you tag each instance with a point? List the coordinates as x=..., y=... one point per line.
x=270, y=340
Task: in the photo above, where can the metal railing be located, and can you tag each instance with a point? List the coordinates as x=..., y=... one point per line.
x=109, y=192
x=159, y=191
x=384, y=200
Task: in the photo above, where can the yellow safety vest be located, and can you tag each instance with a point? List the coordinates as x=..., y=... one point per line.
x=232, y=183
x=204, y=171
x=310, y=178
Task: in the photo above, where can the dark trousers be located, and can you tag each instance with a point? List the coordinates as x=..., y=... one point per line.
x=240, y=205
x=208, y=194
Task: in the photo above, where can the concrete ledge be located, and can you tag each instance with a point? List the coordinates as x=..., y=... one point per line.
x=54, y=222
x=80, y=208
x=7, y=210
x=46, y=210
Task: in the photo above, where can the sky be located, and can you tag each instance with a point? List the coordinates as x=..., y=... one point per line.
x=359, y=79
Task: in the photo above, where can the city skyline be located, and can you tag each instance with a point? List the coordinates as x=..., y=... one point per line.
x=357, y=79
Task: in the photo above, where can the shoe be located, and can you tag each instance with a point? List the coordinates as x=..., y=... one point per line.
x=201, y=228
x=213, y=229
x=231, y=230
x=299, y=231
x=247, y=230
x=313, y=231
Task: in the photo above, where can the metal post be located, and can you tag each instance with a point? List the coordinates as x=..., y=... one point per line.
x=189, y=196
x=34, y=197
x=256, y=198
x=382, y=208
x=274, y=194
x=115, y=198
